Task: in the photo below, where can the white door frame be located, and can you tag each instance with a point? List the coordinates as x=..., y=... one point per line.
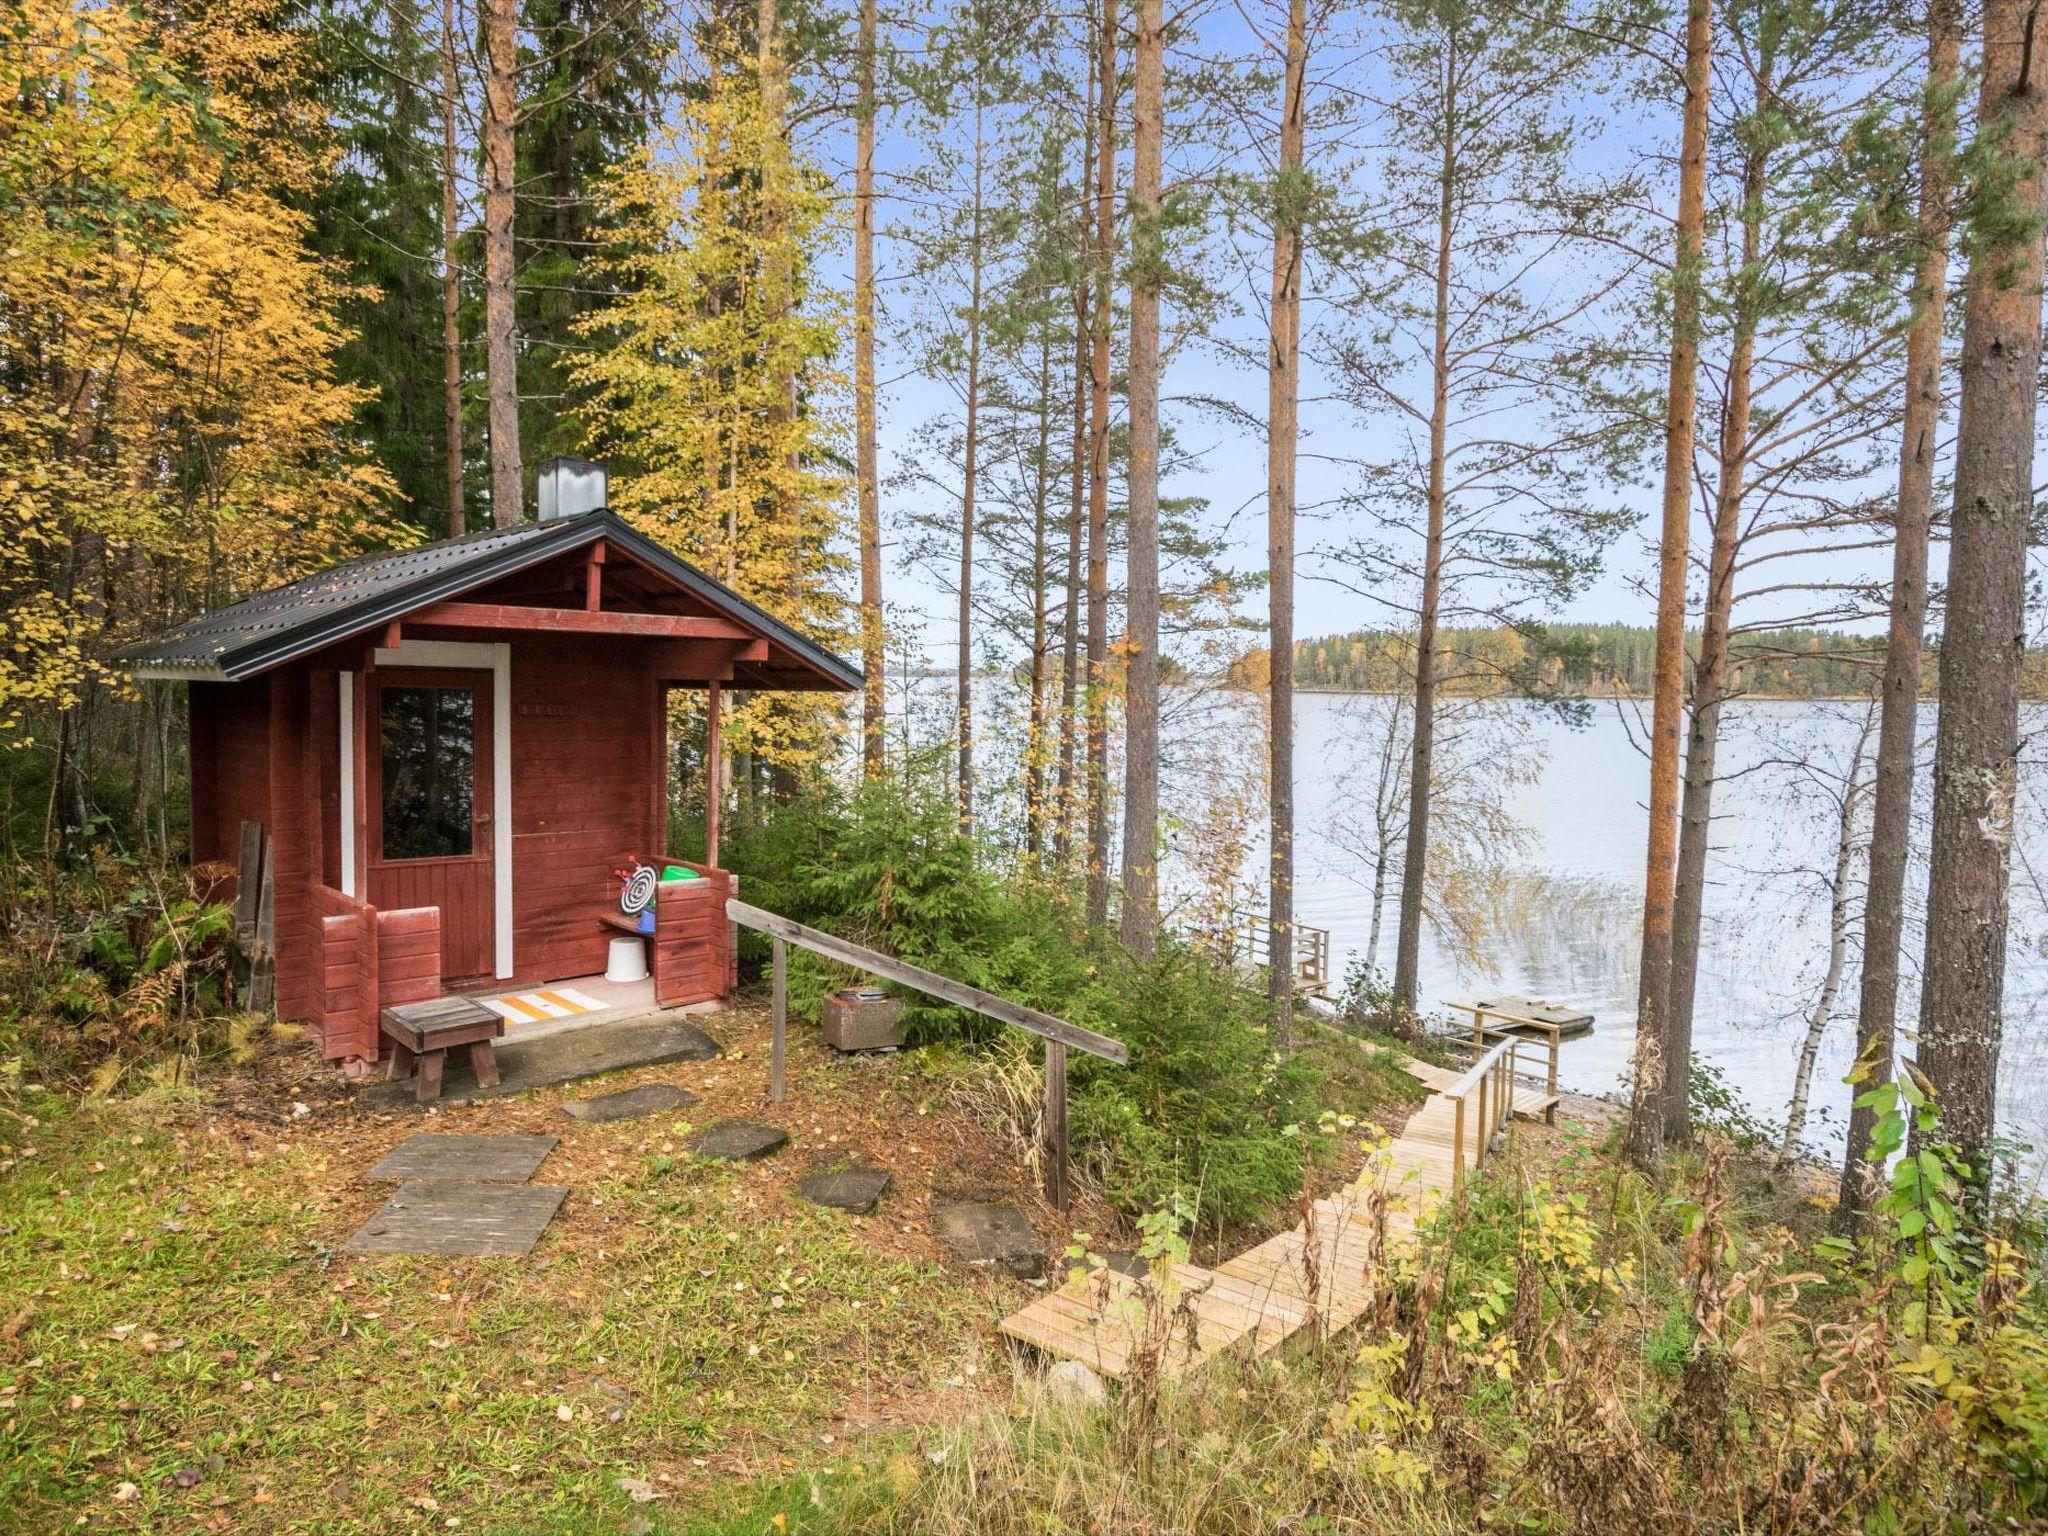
x=494, y=657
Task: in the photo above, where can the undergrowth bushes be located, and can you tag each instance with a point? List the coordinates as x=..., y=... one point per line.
x=1205, y=1109
x=1573, y=1348
x=110, y=965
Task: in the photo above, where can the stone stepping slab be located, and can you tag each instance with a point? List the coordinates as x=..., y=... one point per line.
x=989, y=1234
x=736, y=1141
x=460, y=1220
x=851, y=1188
x=464, y=1159
x=629, y=1103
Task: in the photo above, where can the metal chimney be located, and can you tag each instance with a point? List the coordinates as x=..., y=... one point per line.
x=571, y=487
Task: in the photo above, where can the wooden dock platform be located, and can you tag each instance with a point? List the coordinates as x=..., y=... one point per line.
x=1315, y=1272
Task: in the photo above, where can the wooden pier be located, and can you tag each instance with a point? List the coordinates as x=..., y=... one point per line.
x=1317, y=1272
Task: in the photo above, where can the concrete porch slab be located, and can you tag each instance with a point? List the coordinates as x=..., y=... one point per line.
x=568, y=1052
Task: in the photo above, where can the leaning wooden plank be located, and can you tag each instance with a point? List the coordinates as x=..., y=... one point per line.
x=263, y=967
x=248, y=874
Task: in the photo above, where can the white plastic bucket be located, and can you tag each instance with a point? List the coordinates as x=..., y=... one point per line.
x=627, y=960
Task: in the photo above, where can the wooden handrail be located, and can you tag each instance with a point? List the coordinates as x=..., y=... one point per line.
x=930, y=983
x=1058, y=1034
x=1492, y=1079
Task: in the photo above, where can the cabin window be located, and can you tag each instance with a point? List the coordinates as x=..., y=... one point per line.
x=429, y=771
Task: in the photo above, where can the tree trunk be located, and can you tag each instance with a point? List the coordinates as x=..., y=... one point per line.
x=1977, y=741
x=963, y=705
x=1283, y=403
x=778, y=273
x=1041, y=602
x=501, y=320
x=1139, y=918
x=1838, y=946
x=1711, y=672
x=1653, y=984
x=1422, y=747
x=1070, y=623
x=1891, y=817
x=1098, y=478
x=874, y=698
x=1071, y=687
x=451, y=275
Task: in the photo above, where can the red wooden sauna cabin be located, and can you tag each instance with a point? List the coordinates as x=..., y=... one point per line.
x=454, y=749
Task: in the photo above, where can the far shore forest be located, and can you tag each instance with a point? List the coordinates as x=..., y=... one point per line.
x=1560, y=660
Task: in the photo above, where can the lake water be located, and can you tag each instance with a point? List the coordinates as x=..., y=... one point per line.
x=1569, y=925
x=1561, y=906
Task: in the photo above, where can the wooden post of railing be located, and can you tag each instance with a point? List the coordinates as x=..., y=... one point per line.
x=1058, y=1185
x=1058, y=1034
x=1457, y=1143
x=1550, y=1080
x=777, y=1087
x=1485, y=1125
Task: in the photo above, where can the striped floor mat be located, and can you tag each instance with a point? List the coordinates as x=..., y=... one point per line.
x=535, y=1007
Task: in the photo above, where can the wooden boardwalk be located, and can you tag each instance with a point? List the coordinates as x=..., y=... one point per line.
x=1314, y=1271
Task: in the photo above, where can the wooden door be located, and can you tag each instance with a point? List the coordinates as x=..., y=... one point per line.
x=429, y=794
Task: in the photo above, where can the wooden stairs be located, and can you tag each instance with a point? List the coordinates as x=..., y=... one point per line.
x=1315, y=1271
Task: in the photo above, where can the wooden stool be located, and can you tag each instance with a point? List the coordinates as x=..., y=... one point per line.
x=426, y=1032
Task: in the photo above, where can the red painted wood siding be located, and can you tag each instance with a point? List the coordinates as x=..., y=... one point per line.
x=408, y=956
x=692, y=954
x=346, y=1011
x=585, y=736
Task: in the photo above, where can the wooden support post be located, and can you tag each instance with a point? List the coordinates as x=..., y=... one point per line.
x=1550, y=1080
x=714, y=768
x=1485, y=1125
x=593, y=579
x=1058, y=1185
x=776, y=1086
x=360, y=743
x=1458, y=1144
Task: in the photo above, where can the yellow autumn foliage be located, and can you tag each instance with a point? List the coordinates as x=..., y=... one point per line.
x=715, y=393
x=172, y=434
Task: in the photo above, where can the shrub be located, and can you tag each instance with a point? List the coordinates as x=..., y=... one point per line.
x=109, y=965
x=1205, y=1109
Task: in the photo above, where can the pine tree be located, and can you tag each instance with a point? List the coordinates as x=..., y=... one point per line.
x=1138, y=917
x=1976, y=754
x=1899, y=726
x=1653, y=985
x=1476, y=348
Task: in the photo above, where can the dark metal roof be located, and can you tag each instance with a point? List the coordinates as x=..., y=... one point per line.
x=284, y=623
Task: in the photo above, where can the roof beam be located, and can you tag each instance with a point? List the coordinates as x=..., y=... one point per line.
x=650, y=626
x=702, y=661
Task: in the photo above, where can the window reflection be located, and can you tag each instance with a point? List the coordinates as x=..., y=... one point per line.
x=429, y=753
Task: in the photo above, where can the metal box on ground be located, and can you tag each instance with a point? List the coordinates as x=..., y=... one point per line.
x=862, y=1019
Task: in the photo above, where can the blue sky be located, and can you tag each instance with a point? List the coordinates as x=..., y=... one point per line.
x=1225, y=460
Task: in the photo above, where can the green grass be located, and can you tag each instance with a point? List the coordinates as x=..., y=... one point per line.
x=173, y=1302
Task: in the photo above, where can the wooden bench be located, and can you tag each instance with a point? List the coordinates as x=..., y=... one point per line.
x=426, y=1032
